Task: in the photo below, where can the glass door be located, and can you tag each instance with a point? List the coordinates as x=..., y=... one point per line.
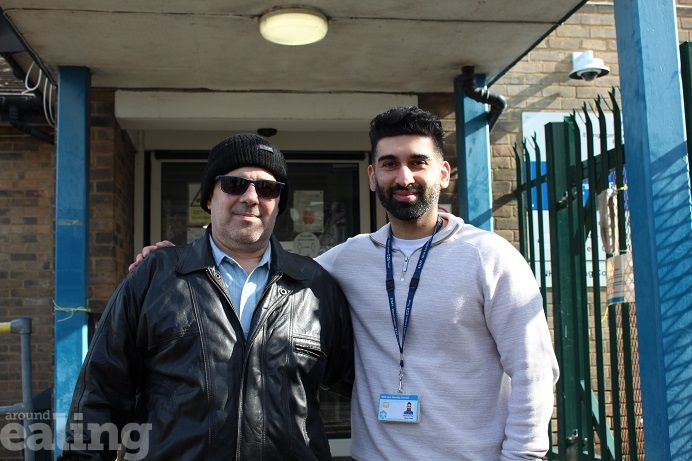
x=329, y=201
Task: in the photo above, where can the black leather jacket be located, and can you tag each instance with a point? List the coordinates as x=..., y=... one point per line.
x=170, y=352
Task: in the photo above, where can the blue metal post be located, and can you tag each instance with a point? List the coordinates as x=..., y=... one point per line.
x=474, y=187
x=71, y=237
x=661, y=219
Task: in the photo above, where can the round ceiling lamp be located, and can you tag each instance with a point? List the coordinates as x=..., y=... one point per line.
x=293, y=26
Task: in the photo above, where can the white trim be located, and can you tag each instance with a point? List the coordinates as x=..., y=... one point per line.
x=162, y=110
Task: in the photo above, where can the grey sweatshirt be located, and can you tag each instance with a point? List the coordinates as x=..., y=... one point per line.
x=478, y=350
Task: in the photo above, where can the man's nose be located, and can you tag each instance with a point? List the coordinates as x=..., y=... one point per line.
x=250, y=194
x=404, y=176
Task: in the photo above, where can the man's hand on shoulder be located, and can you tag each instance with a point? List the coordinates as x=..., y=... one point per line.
x=146, y=251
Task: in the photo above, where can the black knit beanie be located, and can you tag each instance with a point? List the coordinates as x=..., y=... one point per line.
x=243, y=150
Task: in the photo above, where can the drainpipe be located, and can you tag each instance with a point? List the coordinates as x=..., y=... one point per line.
x=19, y=110
x=497, y=103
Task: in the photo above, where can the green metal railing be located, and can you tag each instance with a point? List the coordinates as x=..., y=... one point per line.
x=598, y=404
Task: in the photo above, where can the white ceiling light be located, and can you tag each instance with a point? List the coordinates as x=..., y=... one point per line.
x=293, y=26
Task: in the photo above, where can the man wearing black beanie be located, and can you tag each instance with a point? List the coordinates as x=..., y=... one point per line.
x=218, y=349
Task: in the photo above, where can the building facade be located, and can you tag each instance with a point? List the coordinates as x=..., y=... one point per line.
x=122, y=199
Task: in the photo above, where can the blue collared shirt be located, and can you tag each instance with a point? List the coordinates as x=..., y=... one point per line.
x=245, y=290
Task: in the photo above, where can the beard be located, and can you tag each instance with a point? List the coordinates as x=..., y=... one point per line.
x=408, y=211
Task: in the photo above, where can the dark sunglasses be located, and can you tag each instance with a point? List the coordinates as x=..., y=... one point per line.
x=235, y=185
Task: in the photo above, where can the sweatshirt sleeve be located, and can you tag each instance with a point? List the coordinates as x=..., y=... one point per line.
x=515, y=317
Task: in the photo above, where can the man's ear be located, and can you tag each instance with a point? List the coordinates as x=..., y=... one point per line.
x=446, y=173
x=371, y=178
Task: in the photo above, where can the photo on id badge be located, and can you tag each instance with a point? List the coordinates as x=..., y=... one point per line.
x=399, y=408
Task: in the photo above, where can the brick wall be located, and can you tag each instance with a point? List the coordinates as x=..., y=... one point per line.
x=540, y=82
x=27, y=236
x=111, y=223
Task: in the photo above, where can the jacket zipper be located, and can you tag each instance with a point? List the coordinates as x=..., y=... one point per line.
x=217, y=278
x=264, y=293
x=244, y=371
x=407, y=259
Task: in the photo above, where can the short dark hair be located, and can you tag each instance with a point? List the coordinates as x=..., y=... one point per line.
x=406, y=120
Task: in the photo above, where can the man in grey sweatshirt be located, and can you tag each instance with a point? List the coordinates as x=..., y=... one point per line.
x=444, y=314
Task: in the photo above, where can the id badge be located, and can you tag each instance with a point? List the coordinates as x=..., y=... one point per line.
x=399, y=408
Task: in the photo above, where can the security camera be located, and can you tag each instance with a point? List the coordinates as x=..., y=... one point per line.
x=588, y=74
x=586, y=67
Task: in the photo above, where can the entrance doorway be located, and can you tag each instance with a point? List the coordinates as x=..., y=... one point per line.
x=329, y=201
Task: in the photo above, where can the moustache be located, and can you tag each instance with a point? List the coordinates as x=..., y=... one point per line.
x=410, y=188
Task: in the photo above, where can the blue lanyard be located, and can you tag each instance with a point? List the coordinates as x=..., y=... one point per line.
x=413, y=286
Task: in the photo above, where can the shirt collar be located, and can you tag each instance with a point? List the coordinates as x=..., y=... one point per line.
x=219, y=255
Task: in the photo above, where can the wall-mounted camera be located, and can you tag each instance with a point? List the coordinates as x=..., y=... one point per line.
x=586, y=67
